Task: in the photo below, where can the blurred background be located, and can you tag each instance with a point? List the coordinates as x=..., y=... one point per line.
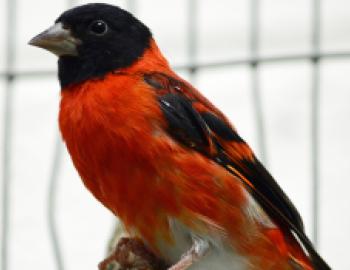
x=280, y=70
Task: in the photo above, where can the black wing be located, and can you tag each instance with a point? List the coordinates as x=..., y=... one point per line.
x=196, y=123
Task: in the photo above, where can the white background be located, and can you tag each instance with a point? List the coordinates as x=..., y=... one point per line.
x=84, y=225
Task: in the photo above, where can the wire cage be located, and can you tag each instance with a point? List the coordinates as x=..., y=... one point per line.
x=189, y=20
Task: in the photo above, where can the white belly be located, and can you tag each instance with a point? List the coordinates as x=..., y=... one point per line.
x=220, y=256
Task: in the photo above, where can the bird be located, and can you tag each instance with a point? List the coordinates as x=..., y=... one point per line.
x=161, y=157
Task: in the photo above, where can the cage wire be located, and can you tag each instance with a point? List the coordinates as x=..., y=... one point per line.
x=254, y=61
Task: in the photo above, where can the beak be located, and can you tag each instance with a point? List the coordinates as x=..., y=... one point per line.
x=57, y=40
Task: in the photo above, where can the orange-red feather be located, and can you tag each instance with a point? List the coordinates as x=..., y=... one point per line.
x=116, y=135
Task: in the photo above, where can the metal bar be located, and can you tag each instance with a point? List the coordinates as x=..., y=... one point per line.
x=264, y=59
x=71, y=3
x=256, y=92
x=7, y=141
x=7, y=159
x=315, y=118
x=230, y=63
x=192, y=12
x=131, y=6
x=52, y=191
x=51, y=204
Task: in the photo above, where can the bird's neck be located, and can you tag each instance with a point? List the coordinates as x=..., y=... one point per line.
x=151, y=61
x=75, y=70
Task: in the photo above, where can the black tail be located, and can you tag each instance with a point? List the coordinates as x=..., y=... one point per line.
x=317, y=262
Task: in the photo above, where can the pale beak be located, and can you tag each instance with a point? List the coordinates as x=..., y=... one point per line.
x=57, y=40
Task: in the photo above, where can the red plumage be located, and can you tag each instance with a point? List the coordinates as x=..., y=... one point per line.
x=114, y=131
x=161, y=157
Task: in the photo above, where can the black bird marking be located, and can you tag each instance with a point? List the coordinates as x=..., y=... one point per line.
x=184, y=123
x=199, y=130
x=220, y=127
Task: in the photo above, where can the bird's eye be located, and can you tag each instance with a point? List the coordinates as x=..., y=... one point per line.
x=98, y=27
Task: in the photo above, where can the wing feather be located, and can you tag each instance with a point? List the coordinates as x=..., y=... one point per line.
x=196, y=123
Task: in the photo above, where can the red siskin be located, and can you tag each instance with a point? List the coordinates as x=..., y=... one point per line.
x=161, y=157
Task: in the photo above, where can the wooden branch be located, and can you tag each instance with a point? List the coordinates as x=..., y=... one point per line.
x=131, y=254
x=128, y=253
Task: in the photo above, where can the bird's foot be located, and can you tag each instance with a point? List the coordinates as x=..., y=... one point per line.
x=197, y=251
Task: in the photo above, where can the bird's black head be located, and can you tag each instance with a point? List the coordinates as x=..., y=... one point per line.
x=92, y=40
